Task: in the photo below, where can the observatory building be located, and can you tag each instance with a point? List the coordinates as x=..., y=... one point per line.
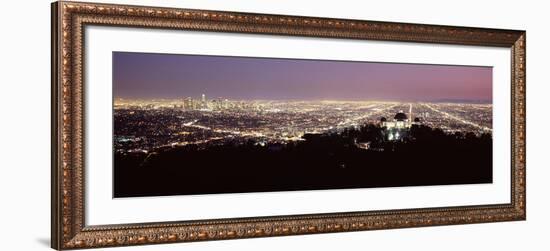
x=400, y=121
x=398, y=128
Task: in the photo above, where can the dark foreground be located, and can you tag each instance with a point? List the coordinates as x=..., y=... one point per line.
x=328, y=161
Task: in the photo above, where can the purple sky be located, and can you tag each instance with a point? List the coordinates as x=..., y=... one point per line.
x=146, y=75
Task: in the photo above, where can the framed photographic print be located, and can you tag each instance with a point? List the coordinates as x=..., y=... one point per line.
x=175, y=125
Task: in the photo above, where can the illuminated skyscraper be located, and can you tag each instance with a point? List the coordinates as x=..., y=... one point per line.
x=410, y=113
x=225, y=104
x=188, y=104
x=204, y=105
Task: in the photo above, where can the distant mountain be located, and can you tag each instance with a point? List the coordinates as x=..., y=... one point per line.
x=464, y=101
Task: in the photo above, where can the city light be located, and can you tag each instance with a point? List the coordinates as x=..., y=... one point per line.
x=146, y=125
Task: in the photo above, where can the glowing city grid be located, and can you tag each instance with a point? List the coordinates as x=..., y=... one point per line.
x=148, y=125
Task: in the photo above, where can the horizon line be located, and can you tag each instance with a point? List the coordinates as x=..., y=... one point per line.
x=443, y=100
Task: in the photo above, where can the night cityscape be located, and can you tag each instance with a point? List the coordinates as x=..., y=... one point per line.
x=149, y=125
x=264, y=125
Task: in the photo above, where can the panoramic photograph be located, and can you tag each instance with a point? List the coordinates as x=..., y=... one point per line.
x=201, y=124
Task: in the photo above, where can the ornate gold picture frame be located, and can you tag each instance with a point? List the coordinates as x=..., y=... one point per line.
x=69, y=230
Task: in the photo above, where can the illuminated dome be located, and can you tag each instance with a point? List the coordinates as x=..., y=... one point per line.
x=400, y=116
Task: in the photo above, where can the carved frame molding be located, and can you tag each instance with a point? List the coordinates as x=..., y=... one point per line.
x=68, y=226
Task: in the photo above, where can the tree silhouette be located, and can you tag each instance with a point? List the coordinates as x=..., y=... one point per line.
x=332, y=160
